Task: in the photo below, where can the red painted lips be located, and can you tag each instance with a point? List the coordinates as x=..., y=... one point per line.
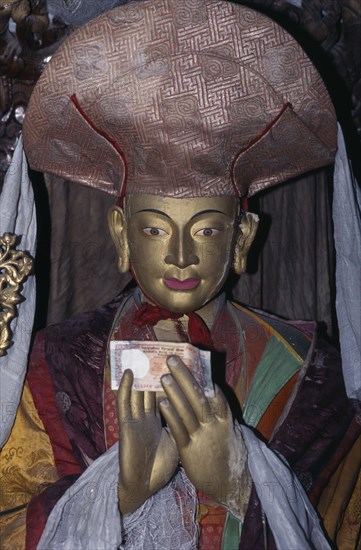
x=176, y=284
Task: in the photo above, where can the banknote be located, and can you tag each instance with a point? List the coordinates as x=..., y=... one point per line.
x=147, y=360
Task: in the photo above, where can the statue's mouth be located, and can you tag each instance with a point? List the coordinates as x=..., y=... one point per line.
x=176, y=284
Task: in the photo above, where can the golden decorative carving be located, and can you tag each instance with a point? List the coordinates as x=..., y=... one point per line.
x=15, y=266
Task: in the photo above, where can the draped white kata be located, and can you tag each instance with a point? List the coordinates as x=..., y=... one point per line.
x=87, y=515
x=17, y=215
x=346, y=212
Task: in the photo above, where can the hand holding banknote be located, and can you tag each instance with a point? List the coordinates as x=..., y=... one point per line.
x=211, y=451
x=210, y=447
x=147, y=455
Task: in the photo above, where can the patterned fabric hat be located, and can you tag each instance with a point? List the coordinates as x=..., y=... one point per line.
x=183, y=98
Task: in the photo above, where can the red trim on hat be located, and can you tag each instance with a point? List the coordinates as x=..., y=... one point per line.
x=106, y=136
x=253, y=141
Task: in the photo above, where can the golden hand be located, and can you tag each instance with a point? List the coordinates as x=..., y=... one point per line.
x=211, y=450
x=147, y=455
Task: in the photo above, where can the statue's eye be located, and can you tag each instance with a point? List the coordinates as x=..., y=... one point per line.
x=207, y=232
x=154, y=231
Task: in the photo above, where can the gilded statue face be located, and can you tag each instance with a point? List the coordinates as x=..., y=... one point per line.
x=180, y=250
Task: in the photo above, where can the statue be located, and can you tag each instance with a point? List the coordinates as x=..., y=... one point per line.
x=178, y=274
x=214, y=103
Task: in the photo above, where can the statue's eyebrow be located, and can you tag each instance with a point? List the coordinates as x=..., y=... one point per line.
x=208, y=212
x=154, y=211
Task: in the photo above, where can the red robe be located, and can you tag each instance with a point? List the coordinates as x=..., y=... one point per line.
x=316, y=429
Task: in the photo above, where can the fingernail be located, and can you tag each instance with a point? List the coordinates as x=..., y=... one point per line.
x=172, y=360
x=166, y=378
x=164, y=403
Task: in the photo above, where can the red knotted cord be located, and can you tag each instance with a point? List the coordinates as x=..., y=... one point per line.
x=198, y=331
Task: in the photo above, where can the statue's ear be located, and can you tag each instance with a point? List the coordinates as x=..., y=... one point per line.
x=118, y=232
x=246, y=234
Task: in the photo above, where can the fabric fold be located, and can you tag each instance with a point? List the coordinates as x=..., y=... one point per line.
x=17, y=215
x=290, y=515
x=347, y=235
x=87, y=516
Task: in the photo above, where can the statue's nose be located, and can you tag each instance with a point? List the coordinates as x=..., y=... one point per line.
x=181, y=252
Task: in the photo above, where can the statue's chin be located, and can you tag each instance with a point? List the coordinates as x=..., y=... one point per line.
x=182, y=302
